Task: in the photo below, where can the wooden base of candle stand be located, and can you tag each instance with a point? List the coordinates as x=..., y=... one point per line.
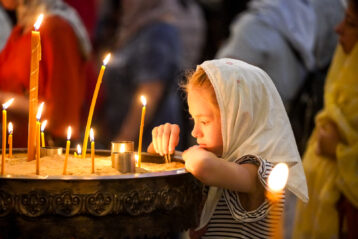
x=120, y=206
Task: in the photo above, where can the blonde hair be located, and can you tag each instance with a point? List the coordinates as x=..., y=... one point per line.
x=199, y=79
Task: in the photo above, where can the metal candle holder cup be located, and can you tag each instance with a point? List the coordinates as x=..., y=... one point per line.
x=50, y=151
x=122, y=154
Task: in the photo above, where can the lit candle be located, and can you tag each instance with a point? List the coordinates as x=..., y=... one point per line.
x=4, y=107
x=68, y=144
x=92, y=148
x=43, y=126
x=38, y=126
x=79, y=150
x=144, y=102
x=93, y=103
x=277, y=181
x=125, y=162
x=122, y=148
x=10, y=139
x=34, y=82
x=136, y=160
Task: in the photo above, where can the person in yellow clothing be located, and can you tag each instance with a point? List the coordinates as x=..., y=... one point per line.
x=331, y=157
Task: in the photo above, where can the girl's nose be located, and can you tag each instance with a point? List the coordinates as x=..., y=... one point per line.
x=195, y=132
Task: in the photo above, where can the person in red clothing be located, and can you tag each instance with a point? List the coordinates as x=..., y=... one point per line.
x=65, y=50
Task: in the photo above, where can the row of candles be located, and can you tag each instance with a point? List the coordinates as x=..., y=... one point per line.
x=34, y=122
x=11, y=130
x=40, y=138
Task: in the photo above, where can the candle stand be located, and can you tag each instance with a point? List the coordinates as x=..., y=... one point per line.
x=120, y=206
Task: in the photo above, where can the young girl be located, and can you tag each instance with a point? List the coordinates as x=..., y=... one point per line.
x=242, y=129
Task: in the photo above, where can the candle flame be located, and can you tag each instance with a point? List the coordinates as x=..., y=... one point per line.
x=278, y=177
x=7, y=104
x=91, y=135
x=39, y=111
x=43, y=125
x=122, y=148
x=144, y=100
x=79, y=149
x=136, y=158
x=106, y=60
x=10, y=128
x=38, y=22
x=69, y=133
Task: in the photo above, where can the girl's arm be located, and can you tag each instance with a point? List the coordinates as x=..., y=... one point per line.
x=214, y=171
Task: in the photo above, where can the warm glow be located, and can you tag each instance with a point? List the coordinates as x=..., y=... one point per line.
x=91, y=135
x=39, y=111
x=136, y=159
x=43, y=125
x=38, y=22
x=278, y=177
x=11, y=129
x=69, y=133
x=106, y=60
x=122, y=148
x=144, y=100
x=79, y=149
x=7, y=104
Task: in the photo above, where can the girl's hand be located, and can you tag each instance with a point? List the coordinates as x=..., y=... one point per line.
x=197, y=160
x=327, y=140
x=165, y=138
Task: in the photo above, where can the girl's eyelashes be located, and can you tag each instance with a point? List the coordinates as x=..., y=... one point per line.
x=203, y=122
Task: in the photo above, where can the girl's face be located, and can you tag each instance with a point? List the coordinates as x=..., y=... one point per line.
x=348, y=29
x=207, y=121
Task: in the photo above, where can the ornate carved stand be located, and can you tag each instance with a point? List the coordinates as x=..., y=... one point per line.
x=122, y=206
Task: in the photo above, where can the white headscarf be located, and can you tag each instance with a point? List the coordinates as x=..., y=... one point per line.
x=253, y=121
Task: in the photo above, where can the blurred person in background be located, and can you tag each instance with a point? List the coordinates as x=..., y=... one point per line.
x=87, y=10
x=5, y=27
x=156, y=40
x=331, y=158
x=309, y=99
x=278, y=37
x=189, y=19
x=65, y=49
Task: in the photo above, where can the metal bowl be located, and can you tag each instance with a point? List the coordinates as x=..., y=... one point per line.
x=119, y=206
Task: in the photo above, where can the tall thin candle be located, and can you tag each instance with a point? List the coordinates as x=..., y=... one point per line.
x=92, y=148
x=38, y=126
x=11, y=130
x=277, y=181
x=43, y=126
x=93, y=103
x=4, y=115
x=68, y=144
x=144, y=102
x=34, y=82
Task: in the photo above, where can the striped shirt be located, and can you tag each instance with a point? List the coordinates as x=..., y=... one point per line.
x=231, y=220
